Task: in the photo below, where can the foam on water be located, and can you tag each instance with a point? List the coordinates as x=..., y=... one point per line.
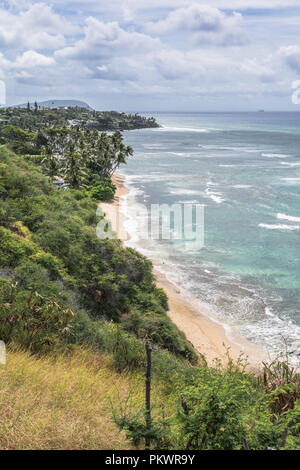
x=280, y=227
x=191, y=201
x=232, y=149
x=290, y=164
x=274, y=155
x=180, y=192
x=242, y=186
x=154, y=146
x=215, y=196
x=248, y=270
x=179, y=129
x=288, y=217
x=293, y=180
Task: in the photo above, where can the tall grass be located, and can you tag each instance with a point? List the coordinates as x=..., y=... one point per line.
x=62, y=402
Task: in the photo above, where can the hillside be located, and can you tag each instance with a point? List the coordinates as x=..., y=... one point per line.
x=35, y=117
x=57, y=104
x=75, y=313
x=49, y=246
x=60, y=403
x=65, y=401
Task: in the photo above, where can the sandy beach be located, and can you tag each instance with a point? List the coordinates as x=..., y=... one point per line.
x=203, y=330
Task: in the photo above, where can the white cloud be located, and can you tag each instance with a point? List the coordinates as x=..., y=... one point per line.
x=173, y=64
x=32, y=59
x=42, y=17
x=209, y=25
x=27, y=60
x=37, y=27
x=112, y=72
x=147, y=4
x=130, y=53
x=190, y=66
x=251, y=4
x=257, y=4
x=262, y=68
x=193, y=18
x=102, y=40
x=291, y=57
x=145, y=89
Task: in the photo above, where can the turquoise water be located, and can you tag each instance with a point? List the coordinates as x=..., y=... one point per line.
x=245, y=169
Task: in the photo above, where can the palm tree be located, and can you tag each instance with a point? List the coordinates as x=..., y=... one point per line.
x=120, y=152
x=51, y=166
x=107, y=153
x=75, y=173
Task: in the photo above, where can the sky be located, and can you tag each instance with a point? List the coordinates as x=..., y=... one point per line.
x=152, y=55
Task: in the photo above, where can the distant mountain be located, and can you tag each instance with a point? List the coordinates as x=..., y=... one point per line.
x=58, y=104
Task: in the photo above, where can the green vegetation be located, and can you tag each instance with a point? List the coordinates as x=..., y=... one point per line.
x=84, y=158
x=34, y=118
x=66, y=142
x=53, y=264
x=78, y=158
x=76, y=311
x=219, y=408
x=102, y=189
x=61, y=401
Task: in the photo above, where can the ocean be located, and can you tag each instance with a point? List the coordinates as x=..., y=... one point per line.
x=245, y=169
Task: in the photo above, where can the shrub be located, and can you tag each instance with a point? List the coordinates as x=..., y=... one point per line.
x=213, y=406
x=50, y=241
x=127, y=351
x=102, y=189
x=35, y=322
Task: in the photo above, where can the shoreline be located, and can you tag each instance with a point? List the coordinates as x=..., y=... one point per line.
x=193, y=317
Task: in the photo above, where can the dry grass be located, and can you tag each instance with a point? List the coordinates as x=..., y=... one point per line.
x=62, y=402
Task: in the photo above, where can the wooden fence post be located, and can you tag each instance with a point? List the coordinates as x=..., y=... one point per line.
x=245, y=444
x=148, y=396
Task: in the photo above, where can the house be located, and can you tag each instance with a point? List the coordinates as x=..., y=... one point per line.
x=92, y=124
x=75, y=122
x=60, y=183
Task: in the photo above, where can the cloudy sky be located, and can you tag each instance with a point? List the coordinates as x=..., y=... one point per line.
x=151, y=55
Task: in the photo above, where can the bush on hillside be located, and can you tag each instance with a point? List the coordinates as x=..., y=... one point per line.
x=48, y=238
